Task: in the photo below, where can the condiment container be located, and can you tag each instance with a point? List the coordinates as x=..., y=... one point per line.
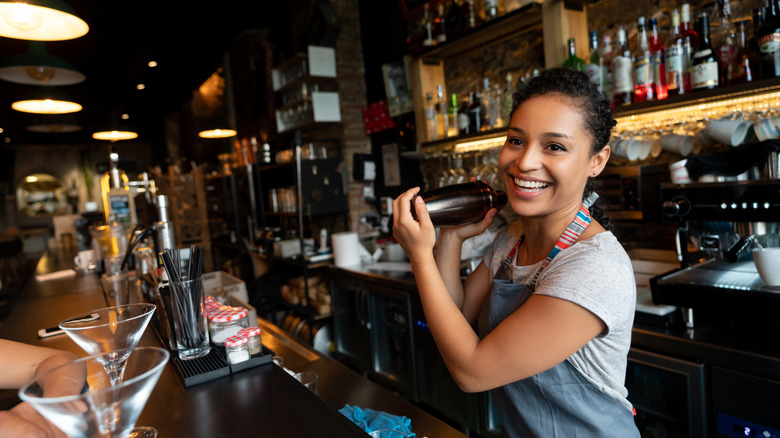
x=236, y=349
x=254, y=343
x=225, y=322
x=461, y=204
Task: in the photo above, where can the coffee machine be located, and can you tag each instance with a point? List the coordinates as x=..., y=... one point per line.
x=718, y=224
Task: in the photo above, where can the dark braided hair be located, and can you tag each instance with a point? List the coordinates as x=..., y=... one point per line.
x=593, y=105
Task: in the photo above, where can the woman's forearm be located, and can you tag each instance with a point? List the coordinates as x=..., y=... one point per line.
x=447, y=258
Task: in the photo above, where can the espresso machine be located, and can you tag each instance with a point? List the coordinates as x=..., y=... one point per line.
x=718, y=225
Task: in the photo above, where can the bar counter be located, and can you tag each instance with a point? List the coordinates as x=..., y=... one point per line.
x=264, y=400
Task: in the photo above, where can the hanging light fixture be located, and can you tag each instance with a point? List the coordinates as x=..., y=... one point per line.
x=47, y=100
x=217, y=133
x=38, y=67
x=116, y=131
x=40, y=20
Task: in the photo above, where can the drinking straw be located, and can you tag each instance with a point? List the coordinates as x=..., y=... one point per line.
x=186, y=302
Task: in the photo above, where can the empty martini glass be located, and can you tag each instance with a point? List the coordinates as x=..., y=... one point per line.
x=111, y=330
x=98, y=408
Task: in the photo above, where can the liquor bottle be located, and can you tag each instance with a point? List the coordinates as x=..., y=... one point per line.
x=705, y=64
x=441, y=112
x=622, y=80
x=428, y=25
x=440, y=28
x=726, y=41
x=659, y=61
x=475, y=112
x=678, y=79
x=488, y=109
x=605, y=62
x=469, y=15
x=454, y=20
x=687, y=32
x=741, y=69
x=431, y=122
x=496, y=104
x=643, y=66
x=461, y=204
x=769, y=42
x=491, y=10
x=452, y=117
x=592, y=68
x=506, y=100
x=463, y=117
x=573, y=62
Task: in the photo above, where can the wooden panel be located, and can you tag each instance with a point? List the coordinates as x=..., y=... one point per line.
x=425, y=76
x=560, y=24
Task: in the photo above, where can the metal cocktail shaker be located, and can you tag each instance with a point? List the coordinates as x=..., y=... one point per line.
x=461, y=204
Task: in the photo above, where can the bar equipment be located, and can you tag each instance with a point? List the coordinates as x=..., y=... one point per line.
x=717, y=223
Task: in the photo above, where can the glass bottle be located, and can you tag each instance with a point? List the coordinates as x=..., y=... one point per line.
x=475, y=112
x=605, y=62
x=469, y=15
x=491, y=10
x=452, y=117
x=622, y=78
x=705, y=64
x=643, y=66
x=441, y=112
x=726, y=42
x=460, y=204
x=488, y=109
x=687, y=32
x=428, y=25
x=592, y=68
x=496, y=104
x=678, y=79
x=431, y=122
x=741, y=69
x=506, y=99
x=769, y=42
x=440, y=25
x=659, y=61
x=573, y=62
x=463, y=117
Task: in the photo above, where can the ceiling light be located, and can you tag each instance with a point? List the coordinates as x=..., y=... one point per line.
x=152, y=64
x=125, y=116
x=38, y=67
x=40, y=20
x=114, y=135
x=217, y=133
x=140, y=86
x=46, y=106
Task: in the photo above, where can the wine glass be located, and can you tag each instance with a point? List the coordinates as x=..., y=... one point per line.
x=111, y=330
x=98, y=408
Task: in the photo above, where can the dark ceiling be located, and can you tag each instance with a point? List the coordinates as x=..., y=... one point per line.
x=187, y=39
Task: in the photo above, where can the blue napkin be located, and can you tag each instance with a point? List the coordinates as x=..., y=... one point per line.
x=371, y=420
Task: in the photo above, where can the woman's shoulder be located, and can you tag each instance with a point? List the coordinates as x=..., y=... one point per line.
x=600, y=248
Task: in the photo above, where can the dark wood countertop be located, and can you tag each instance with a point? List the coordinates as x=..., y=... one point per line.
x=261, y=400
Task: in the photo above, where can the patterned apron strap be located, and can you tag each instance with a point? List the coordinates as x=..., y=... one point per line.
x=569, y=236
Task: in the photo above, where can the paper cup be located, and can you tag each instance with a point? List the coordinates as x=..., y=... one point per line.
x=346, y=249
x=679, y=173
x=767, y=262
x=678, y=144
x=728, y=131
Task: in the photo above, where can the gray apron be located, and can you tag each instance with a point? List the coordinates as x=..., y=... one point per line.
x=558, y=402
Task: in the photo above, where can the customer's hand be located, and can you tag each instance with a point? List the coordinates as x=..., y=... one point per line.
x=24, y=422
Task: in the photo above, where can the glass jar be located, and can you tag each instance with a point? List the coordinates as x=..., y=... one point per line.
x=254, y=344
x=236, y=349
x=225, y=322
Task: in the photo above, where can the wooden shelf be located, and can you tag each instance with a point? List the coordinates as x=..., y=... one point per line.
x=501, y=29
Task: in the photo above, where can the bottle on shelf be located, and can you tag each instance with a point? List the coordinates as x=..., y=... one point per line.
x=659, y=62
x=452, y=117
x=491, y=10
x=592, y=68
x=678, y=79
x=440, y=28
x=475, y=112
x=463, y=117
x=441, y=112
x=469, y=13
x=643, y=66
x=428, y=25
x=605, y=63
x=454, y=20
x=572, y=61
x=726, y=40
x=506, y=100
x=705, y=64
x=769, y=41
x=687, y=31
x=741, y=69
x=496, y=104
x=622, y=77
x=431, y=121
x=489, y=113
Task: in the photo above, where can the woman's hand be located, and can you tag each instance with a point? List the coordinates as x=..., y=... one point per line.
x=416, y=237
x=25, y=422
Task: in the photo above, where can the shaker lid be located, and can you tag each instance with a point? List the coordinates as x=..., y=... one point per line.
x=249, y=331
x=227, y=314
x=235, y=341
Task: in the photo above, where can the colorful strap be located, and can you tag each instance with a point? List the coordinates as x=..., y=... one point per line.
x=569, y=236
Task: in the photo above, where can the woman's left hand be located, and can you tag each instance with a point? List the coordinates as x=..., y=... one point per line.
x=416, y=236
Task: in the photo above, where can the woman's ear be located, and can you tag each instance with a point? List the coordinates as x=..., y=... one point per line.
x=599, y=161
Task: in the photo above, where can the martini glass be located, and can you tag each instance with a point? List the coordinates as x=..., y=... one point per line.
x=98, y=408
x=111, y=330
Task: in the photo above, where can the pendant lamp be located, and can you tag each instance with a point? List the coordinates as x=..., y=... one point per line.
x=115, y=131
x=40, y=20
x=47, y=100
x=38, y=67
x=217, y=133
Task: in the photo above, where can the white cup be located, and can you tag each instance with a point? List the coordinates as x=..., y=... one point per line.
x=767, y=262
x=728, y=131
x=627, y=148
x=85, y=260
x=767, y=129
x=679, y=173
x=676, y=143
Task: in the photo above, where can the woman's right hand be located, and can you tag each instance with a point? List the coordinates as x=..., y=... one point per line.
x=25, y=422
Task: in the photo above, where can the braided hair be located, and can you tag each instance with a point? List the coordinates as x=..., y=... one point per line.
x=594, y=106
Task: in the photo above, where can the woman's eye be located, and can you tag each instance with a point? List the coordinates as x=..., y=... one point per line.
x=557, y=148
x=514, y=141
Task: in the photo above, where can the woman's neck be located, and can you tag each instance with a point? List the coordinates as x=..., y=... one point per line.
x=542, y=233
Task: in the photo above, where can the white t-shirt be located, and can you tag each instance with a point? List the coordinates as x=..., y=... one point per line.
x=596, y=274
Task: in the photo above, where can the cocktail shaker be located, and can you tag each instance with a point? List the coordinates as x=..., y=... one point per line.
x=461, y=204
